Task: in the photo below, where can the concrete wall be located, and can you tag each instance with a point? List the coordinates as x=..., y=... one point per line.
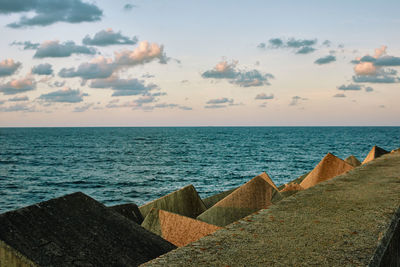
x=388, y=252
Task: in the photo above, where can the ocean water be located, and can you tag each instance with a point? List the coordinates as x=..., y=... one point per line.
x=120, y=165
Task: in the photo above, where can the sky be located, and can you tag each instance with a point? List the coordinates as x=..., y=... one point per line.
x=199, y=63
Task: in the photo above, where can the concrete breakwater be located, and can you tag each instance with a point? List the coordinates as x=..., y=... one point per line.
x=352, y=219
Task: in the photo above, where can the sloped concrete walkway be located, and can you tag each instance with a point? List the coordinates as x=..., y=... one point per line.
x=344, y=221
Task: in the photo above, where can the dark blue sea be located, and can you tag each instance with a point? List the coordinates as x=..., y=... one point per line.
x=120, y=165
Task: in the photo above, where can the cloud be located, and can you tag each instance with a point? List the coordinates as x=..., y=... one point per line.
x=327, y=43
x=365, y=68
x=243, y=78
x=223, y=70
x=147, y=75
x=276, y=43
x=305, y=50
x=59, y=84
x=57, y=49
x=372, y=65
x=27, y=45
x=252, y=78
x=109, y=37
x=8, y=67
x=382, y=78
x=261, y=45
x=124, y=87
x=42, y=69
x=371, y=69
x=325, y=60
x=387, y=61
x=340, y=95
x=17, y=86
x=65, y=95
x=263, y=96
x=350, y=87
x=215, y=106
x=83, y=108
x=222, y=100
x=295, y=100
x=144, y=53
x=300, y=46
x=369, y=89
x=17, y=99
x=17, y=107
x=97, y=68
x=49, y=12
x=128, y=7
x=300, y=43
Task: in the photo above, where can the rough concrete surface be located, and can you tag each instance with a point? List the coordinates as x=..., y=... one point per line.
x=374, y=153
x=254, y=195
x=330, y=166
x=185, y=201
x=212, y=200
x=339, y=222
x=130, y=211
x=177, y=229
x=353, y=161
x=76, y=230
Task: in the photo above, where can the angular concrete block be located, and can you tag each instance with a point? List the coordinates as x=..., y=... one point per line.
x=256, y=194
x=76, y=230
x=212, y=200
x=353, y=161
x=329, y=167
x=130, y=211
x=185, y=201
x=374, y=153
x=177, y=229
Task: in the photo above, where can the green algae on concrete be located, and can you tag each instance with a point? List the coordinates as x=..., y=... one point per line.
x=339, y=222
x=76, y=230
x=185, y=201
x=130, y=211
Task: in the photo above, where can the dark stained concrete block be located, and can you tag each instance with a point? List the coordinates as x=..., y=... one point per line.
x=130, y=211
x=76, y=230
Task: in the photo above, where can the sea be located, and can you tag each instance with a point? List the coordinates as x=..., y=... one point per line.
x=139, y=164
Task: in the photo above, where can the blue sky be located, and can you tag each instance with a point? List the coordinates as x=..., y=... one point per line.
x=181, y=63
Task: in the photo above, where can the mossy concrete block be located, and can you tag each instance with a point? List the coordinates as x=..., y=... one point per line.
x=212, y=200
x=76, y=230
x=343, y=221
x=256, y=194
x=185, y=201
x=353, y=161
x=130, y=211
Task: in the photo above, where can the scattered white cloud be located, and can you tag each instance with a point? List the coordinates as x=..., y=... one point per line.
x=109, y=37
x=17, y=86
x=8, y=67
